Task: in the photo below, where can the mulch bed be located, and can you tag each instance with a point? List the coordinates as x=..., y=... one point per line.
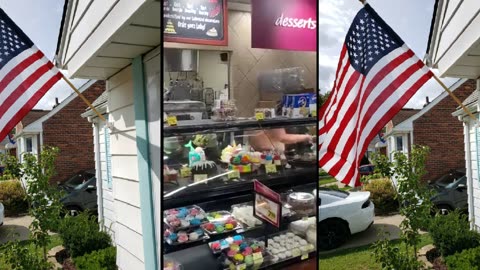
x=68, y=265
x=436, y=259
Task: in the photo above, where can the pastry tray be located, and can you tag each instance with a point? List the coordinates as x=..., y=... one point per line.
x=285, y=213
x=223, y=247
x=242, y=265
x=299, y=253
x=180, y=228
x=176, y=243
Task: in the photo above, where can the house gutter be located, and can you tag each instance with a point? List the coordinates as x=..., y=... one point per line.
x=468, y=156
x=98, y=175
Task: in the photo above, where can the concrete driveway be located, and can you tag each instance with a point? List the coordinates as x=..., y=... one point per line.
x=15, y=228
x=388, y=224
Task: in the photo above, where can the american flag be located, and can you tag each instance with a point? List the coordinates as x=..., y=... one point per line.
x=25, y=74
x=376, y=76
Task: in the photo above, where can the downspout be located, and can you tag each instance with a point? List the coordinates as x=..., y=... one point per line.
x=98, y=175
x=468, y=157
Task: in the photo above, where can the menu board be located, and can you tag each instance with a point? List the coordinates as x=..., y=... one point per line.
x=198, y=22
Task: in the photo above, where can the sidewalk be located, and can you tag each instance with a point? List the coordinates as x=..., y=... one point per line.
x=15, y=228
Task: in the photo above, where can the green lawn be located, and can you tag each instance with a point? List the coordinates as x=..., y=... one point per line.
x=360, y=258
x=55, y=241
x=327, y=180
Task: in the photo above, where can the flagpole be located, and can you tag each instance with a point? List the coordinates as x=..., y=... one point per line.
x=83, y=98
x=465, y=109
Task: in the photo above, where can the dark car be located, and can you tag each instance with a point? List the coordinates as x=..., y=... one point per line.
x=81, y=192
x=366, y=169
x=448, y=178
x=452, y=196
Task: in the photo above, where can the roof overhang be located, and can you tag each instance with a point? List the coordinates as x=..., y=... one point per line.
x=126, y=30
x=454, y=40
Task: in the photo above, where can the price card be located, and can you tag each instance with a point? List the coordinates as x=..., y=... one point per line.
x=257, y=256
x=270, y=168
x=235, y=174
x=199, y=177
x=185, y=172
x=172, y=120
x=259, y=116
x=304, y=257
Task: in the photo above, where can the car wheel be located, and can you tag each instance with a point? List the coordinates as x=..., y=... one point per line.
x=73, y=211
x=443, y=209
x=332, y=234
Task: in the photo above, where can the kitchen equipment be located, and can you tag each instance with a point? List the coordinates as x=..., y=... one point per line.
x=302, y=203
x=185, y=109
x=180, y=90
x=180, y=60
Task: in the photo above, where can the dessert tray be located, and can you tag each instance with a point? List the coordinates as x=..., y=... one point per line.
x=220, y=222
x=184, y=218
x=185, y=236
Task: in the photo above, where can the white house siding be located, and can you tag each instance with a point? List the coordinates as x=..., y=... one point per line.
x=472, y=168
x=128, y=234
x=109, y=218
x=456, y=32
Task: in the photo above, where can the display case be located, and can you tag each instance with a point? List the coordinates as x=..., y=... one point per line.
x=208, y=174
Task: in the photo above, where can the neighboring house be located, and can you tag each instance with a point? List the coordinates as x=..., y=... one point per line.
x=28, y=142
x=63, y=127
x=119, y=41
x=434, y=127
x=454, y=50
x=397, y=138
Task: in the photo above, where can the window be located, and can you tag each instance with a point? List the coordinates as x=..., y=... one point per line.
x=29, y=145
x=399, y=140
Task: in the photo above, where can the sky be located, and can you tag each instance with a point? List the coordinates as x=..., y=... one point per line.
x=40, y=20
x=410, y=19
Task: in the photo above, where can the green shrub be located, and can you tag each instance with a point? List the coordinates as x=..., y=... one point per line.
x=451, y=233
x=467, y=259
x=104, y=259
x=383, y=195
x=13, y=197
x=21, y=257
x=80, y=235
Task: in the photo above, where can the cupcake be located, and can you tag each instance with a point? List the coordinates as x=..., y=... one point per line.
x=200, y=216
x=229, y=240
x=281, y=256
x=209, y=227
x=219, y=229
x=182, y=238
x=173, y=237
x=249, y=260
x=274, y=259
x=181, y=215
x=194, y=211
x=229, y=226
x=237, y=238
x=195, y=222
x=193, y=236
x=244, y=246
x=288, y=254
x=231, y=253
x=247, y=251
x=235, y=248
x=171, y=218
x=216, y=246
x=189, y=218
x=238, y=258
x=184, y=223
x=175, y=223
x=199, y=232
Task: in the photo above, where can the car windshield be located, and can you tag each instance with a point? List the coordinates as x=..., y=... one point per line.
x=86, y=183
x=462, y=180
x=78, y=179
x=446, y=179
x=336, y=193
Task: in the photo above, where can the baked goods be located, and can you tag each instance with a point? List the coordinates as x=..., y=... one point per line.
x=243, y=252
x=184, y=217
x=219, y=245
x=205, y=167
x=244, y=214
x=288, y=245
x=184, y=236
x=224, y=110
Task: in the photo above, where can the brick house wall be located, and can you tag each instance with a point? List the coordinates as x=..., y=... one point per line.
x=72, y=134
x=443, y=133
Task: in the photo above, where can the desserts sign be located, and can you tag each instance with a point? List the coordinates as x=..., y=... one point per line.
x=267, y=205
x=198, y=22
x=284, y=24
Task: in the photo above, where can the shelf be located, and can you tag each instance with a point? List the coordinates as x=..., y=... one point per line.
x=216, y=190
x=205, y=126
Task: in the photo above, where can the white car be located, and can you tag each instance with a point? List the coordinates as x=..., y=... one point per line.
x=2, y=215
x=342, y=214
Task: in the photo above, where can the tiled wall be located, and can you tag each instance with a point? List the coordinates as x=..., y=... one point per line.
x=247, y=63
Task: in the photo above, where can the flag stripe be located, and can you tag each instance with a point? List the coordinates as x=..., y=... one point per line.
x=29, y=105
x=24, y=85
x=10, y=76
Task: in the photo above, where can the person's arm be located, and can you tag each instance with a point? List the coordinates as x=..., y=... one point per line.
x=282, y=136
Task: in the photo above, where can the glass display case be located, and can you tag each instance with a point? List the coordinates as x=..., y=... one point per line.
x=208, y=173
